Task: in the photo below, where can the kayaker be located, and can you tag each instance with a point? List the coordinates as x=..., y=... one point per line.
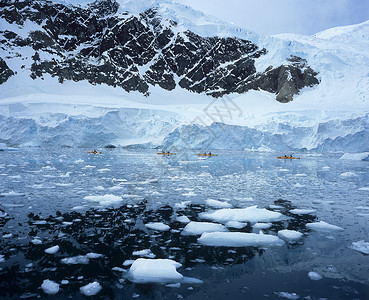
x=210, y=153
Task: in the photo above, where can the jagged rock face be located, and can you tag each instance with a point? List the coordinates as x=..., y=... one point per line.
x=5, y=72
x=133, y=52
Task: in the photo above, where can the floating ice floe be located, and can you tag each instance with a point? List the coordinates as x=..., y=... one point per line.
x=154, y=271
x=8, y=235
x=63, y=184
x=364, y=189
x=182, y=204
x=76, y=260
x=239, y=239
x=99, y=188
x=128, y=262
x=314, y=275
x=157, y=226
x=52, y=250
x=12, y=205
x=107, y=199
x=91, y=289
x=250, y=214
x=217, y=204
x=290, y=235
x=348, y=174
x=323, y=226
x=262, y=225
x=50, y=287
x=189, y=194
x=154, y=180
x=183, y=219
x=198, y=228
x=356, y=156
x=80, y=259
x=300, y=211
x=144, y=253
x=360, y=246
x=36, y=242
x=286, y=295
x=12, y=194
x=235, y=224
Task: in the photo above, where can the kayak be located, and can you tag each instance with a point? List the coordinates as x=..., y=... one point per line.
x=281, y=157
x=207, y=154
x=94, y=152
x=164, y=153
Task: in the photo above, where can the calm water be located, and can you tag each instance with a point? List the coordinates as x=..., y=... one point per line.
x=42, y=196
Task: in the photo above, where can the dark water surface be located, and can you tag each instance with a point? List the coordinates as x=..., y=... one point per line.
x=45, y=195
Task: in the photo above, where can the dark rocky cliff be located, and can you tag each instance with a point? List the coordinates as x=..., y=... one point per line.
x=97, y=44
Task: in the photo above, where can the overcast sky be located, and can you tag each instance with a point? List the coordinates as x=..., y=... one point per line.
x=285, y=16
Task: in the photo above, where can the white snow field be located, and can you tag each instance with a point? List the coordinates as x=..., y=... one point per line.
x=154, y=271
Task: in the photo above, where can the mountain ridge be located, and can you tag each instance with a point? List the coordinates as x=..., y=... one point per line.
x=133, y=52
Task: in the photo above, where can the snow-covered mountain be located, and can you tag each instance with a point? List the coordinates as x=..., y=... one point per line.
x=132, y=72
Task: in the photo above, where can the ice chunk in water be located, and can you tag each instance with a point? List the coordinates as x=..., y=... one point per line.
x=155, y=271
x=52, y=250
x=291, y=296
x=183, y=219
x=235, y=224
x=91, y=289
x=107, y=199
x=323, y=226
x=218, y=204
x=289, y=235
x=158, y=226
x=249, y=214
x=198, y=228
x=239, y=239
x=314, y=275
x=360, y=246
x=299, y=211
x=50, y=287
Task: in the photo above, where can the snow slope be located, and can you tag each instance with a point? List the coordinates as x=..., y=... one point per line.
x=332, y=116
